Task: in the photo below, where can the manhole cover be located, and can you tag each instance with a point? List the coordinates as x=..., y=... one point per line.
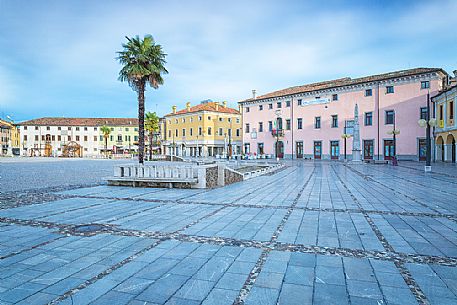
x=89, y=228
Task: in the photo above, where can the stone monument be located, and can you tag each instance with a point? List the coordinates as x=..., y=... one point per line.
x=356, y=150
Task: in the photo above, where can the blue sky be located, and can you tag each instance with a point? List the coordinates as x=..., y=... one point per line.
x=57, y=58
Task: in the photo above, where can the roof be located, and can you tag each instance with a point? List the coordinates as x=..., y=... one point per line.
x=61, y=121
x=5, y=124
x=208, y=106
x=346, y=81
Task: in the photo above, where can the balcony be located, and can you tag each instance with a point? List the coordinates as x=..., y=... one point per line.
x=277, y=132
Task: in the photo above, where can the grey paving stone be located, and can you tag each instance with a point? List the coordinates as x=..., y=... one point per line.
x=299, y=275
x=261, y=295
x=113, y=297
x=195, y=289
x=219, y=296
x=330, y=294
x=162, y=289
x=295, y=294
x=231, y=281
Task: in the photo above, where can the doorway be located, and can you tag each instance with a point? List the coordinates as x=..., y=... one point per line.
x=368, y=149
x=422, y=149
x=317, y=150
x=280, y=149
x=389, y=149
x=334, y=150
x=299, y=149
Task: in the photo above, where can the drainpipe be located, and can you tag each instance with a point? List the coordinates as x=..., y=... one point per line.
x=377, y=110
x=292, y=125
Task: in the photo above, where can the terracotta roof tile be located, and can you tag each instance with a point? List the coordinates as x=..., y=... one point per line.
x=343, y=82
x=209, y=106
x=81, y=122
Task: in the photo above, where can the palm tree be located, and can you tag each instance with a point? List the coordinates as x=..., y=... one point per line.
x=151, y=124
x=143, y=63
x=106, y=131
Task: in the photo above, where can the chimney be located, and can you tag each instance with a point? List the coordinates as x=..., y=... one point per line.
x=224, y=103
x=217, y=105
x=174, y=109
x=188, y=106
x=253, y=93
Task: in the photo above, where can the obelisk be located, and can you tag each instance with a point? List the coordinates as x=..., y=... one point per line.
x=356, y=151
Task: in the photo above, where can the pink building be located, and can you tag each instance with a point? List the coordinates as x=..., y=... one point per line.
x=308, y=121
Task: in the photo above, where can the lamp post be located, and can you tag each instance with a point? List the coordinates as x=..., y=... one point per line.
x=345, y=136
x=394, y=132
x=278, y=116
x=427, y=123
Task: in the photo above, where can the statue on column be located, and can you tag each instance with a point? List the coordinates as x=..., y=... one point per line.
x=356, y=150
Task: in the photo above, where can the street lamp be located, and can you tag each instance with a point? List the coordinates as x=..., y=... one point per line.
x=345, y=136
x=427, y=123
x=278, y=116
x=394, y=132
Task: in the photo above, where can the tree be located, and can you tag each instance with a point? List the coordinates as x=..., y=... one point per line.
x=151, y=124
x=143, y=63
x=106, y=131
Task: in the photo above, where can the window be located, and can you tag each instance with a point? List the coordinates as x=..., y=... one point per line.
x=119, y=138
x=278, y=105
x=85, y=138
x=95, y=138
x=229, y=120
x=112, y=128
x=334, y=121
x=229, y=132
x=101, y=138
x=237, y=132
x=77, y=128
x=69, y=128
x=126, y=129
x=368, y=92
x=169, y=133
x=77, y=138
x=260, y=107
x=176, y=132
x=85, y=148
x=183, y=132
x=299, y=123
x=279, y=122
x=59, y=138
x=270, y=125
x=451, y=110
x=389, y=89
x=135, y=138
x=95, y=148
x=183, y=120
x=48, y=128
x=126, y=138
x=260, y=149
x=425, y=84
x=53, y=137
x=247, y=109
x=209, y=131
x=176, y=121
x=25, y=128
x=95, y=128
x=287, y=103
x=270, y=106
x=85, y=128
x=299, y=102
x=25, y=137
x=334, y=97
x=191, y=119
x=247, y=128
x=191, y=132
x=199, y=117
x=111, y=138
x=423, y=113
x=221, y=119
x=390, y=117
x=368, y=118
x=441, y=112
x=135, y=129
x=247, y=148
x=221, y=132
x=200, y=131
x=317, y=97
x=59, y=128
x=36, y=138
x=288, y=124
x=260, y=126
x=36, y=128
x=209, y=118
x=317, y=122
x=237, y=120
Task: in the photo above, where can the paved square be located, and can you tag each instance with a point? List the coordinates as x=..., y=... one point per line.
x=312, y=233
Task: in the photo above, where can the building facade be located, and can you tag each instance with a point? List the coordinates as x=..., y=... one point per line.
x=207, y=129
x=78, y=137
x=9, y=138
x=446, y=128
x=309, y=121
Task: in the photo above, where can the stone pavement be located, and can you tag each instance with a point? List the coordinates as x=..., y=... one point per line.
x=313, y=233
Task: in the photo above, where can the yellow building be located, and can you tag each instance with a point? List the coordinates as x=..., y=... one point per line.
x=9, y=138
x=207, y=129
x=446, y=129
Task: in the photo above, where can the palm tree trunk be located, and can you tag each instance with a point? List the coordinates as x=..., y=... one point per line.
x=150, y=146
x=106, y=147
x=141, y=122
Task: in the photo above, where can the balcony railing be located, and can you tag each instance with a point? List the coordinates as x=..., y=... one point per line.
x=277, y=132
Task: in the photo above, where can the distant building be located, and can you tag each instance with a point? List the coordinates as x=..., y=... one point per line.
x=9, y=138
x=78, y=136
x=207, y=129
x=308, y=121
x=446, y=130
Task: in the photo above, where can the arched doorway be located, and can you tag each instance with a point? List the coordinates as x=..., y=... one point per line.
x=440, y=148
x=72, y=150
x=450, y=148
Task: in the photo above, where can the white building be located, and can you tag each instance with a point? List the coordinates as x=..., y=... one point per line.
x=77, y=136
